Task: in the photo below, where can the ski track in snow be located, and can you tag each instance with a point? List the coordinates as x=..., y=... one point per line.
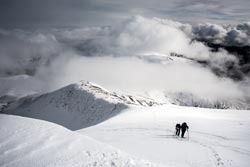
x=217, y=157
x=153, y=129
x=236, y=149
x=221, y=142
x=214, y=152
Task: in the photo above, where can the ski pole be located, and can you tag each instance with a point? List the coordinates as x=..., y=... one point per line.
x=188, y=134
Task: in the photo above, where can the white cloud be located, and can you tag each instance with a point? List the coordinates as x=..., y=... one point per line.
x=136, y=76
x=110, y=57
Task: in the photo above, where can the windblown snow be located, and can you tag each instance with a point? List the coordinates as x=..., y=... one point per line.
x=75, y=106
x=26, y=142
x=216, y=138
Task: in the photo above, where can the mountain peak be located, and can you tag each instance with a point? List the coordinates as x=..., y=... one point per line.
x=75, y=106
x=116, y=97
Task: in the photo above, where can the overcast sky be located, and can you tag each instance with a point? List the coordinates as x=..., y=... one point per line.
x=67, y=13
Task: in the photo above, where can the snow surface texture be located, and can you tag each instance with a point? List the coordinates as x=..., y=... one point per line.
x=26, y=142
x=71, y=106
x=75, y=106
x=216, y=138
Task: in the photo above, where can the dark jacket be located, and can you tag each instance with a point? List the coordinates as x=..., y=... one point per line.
x=184, y=126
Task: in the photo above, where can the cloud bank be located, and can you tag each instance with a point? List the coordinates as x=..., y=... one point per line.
x=137, y=55
x=228, y=35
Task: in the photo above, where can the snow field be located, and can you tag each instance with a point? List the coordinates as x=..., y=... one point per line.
x=29, y=142
x=216, y=137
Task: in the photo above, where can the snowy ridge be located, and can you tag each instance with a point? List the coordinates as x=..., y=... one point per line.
x=75, y=106
x=29, y=142
x=121, y=98
x=72, y=107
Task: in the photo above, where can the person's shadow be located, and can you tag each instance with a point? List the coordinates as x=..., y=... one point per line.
x=172, y=137
x=167, y=136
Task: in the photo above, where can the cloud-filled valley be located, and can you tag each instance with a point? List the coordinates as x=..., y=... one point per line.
x=137, y=55
x=100, y=83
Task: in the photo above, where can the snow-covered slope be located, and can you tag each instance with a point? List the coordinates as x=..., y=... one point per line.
x=72, y=106
x=75, y=106
x=217, y=138
x=26, y=142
